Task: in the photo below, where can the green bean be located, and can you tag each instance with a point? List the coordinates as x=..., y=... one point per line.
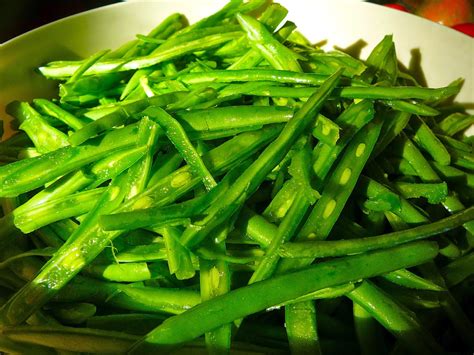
x=11, y=347
x=326, y=131
x=164, y=165
x=232, y=117
x=69, y=338
x=412, y=107
x=179, y=258
x=125, y=272
x=256, y=297
x=368, y=333
x=369, y=92
x=74, y=313
x=139, y=253
x=28, y=174
x=129, y=297
x=273, y=51
x=312, y=249
x=462, y=324
x=434, y=192
x=287, y=228
x=44, y=137
x=427, y=140
x=64, y=69
x=300, y=324
x=327, y=62
x=119, y=117
x=458, y=270
x=401, y=322
x=153, y=216
x=354, y=118
x=455, y=123
x=56, y=209
x=427, y=174
x=51, y=109
x=254, y=175
x=178, y=137
x=382, y=61
x=462, y=159
x=340, y=185
x=222, y=158
x=408, y=279
x=252, y=75
x=215, y=280
x=86, y=64
x=131, y=323
x=81, y=248
x=392, y=126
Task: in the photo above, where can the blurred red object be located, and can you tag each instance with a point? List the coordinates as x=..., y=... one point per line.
x=445, y=12
x=397, y=7
x=466, y=28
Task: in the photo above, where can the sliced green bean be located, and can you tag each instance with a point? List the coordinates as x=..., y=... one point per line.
x=279, y=56
x=256, y=297
x=44, y=137
x=254, y=175
x=353, y=246
x=50, y=108
x=178, y=137
x=401, y=322
x=424, y=137
x=63, y=69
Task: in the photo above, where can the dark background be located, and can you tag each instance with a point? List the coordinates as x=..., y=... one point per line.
x=20, y=16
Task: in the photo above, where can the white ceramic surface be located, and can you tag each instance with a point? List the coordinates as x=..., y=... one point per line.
x=445, y=53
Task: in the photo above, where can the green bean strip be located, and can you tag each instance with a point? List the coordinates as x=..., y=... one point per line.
x=178, y=137
x=301, y=327
x=129, y=297
x=455, y=123
x=367, y=331
x=425, y=138
x=326, y=131
x=44, y=137
x=69, y=338
x=458, y=270
x=119, y=117
x=56, y=209
x=123, y=272
x=11, y=347
x=51, y=109
x=369, y=92
x=256, y=297
x=320, y=249
x=252, y=75
x=64, y=69
x=66, y=263
x=28, y=174
x=220, y=159
x=392, y=126
x=434, y=192
x=408, y=279
x=222, y=118
x=412, y=107
x=401, y=322
x=354, y=118
x=215, y=280
x=179, y=258
x=427, y=174
x=86, y=64
x=74, y=313
x=254, y=175
x=279, y=56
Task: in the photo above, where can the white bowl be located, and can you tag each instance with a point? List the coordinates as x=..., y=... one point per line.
x=445, y=53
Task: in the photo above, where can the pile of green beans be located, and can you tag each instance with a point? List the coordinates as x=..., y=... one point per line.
x=229, y=187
